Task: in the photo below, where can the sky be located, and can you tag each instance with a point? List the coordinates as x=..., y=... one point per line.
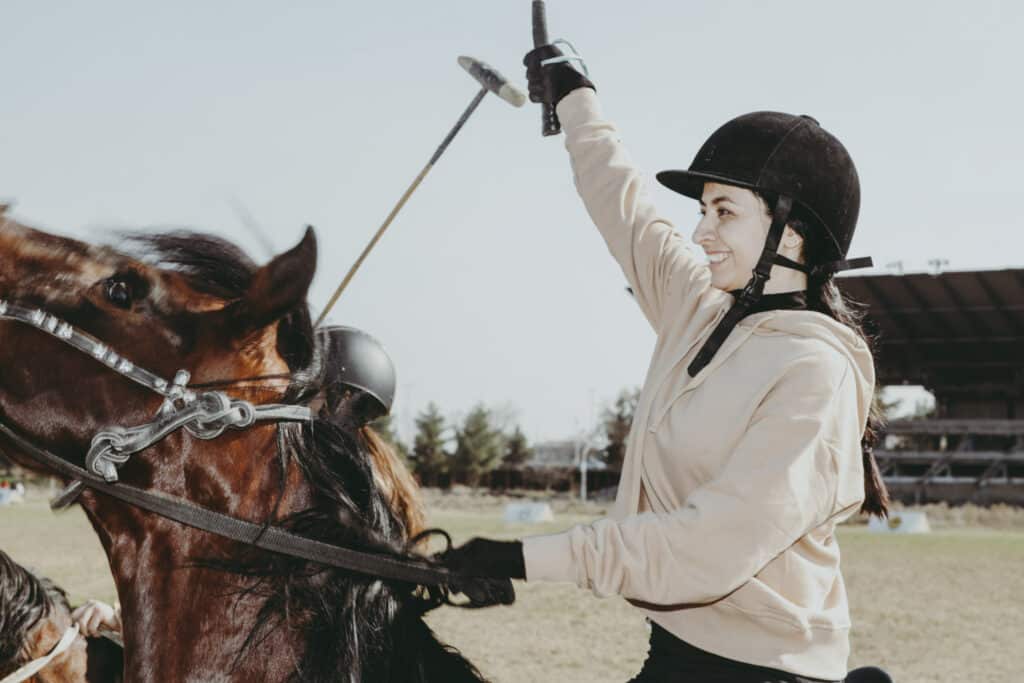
x=492, y=285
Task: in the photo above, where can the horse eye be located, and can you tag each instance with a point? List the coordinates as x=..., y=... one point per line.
x=119, y=293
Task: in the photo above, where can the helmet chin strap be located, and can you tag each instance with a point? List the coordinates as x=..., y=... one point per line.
x=824, y=269
x=752, y=292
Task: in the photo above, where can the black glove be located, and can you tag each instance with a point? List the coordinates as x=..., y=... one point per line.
x=549, y=84
x=483, y=568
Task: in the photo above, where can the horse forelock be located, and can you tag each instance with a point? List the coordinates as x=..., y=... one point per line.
x=186, y=273
x=48, y=269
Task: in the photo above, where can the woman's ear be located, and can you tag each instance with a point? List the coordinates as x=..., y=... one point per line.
x=791, y=241
x=277, y=288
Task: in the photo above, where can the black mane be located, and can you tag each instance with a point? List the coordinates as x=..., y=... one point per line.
x=355, y=628
x=214, y=266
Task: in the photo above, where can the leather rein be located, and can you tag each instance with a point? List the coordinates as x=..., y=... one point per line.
x=204, y=415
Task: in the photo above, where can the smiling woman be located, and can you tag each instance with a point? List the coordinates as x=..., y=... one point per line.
x=753, y=433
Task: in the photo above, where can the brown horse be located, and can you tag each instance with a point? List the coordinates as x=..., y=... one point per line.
x=197, y=607
x=34, y=620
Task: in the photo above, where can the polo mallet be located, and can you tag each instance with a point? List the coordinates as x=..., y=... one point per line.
x=550, y=122
x=490, y=81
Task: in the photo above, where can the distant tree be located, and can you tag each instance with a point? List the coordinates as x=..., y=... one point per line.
x=617, y=420
x=479, y=447
x=517, y=449
x=429, y=458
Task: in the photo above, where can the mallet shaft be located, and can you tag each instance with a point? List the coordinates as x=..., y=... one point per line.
x=401, y=202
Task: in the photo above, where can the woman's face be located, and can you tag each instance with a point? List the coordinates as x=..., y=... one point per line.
x=733, y=226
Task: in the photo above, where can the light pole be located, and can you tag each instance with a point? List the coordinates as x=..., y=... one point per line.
x=585, y=445
x=583, y=456
x=937, y=264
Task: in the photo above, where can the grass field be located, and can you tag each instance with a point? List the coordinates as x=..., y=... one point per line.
x=947, y=606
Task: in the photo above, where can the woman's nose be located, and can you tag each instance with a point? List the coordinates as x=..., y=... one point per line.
x=703, y=231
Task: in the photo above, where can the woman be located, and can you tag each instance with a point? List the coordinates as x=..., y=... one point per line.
x=360, y=389
x=752, y=438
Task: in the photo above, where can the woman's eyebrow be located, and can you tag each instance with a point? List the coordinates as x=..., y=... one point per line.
x=717, y=200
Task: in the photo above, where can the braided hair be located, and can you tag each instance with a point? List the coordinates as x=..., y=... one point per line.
x=824, y=296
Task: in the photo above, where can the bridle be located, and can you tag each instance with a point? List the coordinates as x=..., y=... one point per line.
x=204, y=415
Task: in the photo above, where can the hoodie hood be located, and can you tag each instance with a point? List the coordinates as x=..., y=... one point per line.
x=840, y=337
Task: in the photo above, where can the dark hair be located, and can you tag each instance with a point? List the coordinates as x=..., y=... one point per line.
x=824, y=296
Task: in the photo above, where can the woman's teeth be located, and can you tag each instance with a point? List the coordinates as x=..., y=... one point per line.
x=717, y=258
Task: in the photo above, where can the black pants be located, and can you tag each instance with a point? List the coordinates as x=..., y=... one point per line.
x=671, y=660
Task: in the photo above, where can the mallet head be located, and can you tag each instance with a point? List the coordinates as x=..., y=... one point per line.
x=493, y=81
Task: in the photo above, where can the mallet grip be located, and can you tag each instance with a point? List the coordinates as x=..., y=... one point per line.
x=551, y=124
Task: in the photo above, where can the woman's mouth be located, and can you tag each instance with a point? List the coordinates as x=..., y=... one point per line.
x=716, y=257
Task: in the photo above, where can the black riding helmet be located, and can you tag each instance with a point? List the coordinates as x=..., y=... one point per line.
x=796, y=160
x=359, y=377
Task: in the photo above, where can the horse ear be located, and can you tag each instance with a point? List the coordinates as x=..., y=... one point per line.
x=276, y=288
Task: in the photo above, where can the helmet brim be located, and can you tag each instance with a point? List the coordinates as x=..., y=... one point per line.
x=691, y=183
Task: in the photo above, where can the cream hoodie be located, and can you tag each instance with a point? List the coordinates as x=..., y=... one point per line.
x=723, y=529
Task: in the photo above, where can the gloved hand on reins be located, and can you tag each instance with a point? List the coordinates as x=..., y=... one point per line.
x=550, y=83
x=485, y=567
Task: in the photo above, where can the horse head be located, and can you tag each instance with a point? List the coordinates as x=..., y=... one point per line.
x=197, y=303
x=157, y=318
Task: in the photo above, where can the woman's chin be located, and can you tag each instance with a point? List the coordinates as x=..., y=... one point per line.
x=723, y=282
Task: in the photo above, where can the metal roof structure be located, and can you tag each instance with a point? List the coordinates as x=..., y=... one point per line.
x=953, y=332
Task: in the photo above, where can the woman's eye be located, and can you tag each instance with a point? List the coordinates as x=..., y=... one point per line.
x=724, y=212
x=119, y=293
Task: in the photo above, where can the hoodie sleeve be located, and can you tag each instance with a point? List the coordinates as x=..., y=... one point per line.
x=779, y=484
x=652, y=255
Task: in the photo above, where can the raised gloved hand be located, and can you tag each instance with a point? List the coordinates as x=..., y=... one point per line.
x=485, y=568
x=550, y=83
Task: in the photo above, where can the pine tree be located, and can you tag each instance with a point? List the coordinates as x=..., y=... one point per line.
x=617, y=422
x=430, y=459
x=517, y=450
x=479, y=448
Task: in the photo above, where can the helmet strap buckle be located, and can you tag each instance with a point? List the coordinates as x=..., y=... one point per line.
x=751, y=293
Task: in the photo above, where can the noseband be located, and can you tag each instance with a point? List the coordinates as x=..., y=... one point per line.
x=204, y=415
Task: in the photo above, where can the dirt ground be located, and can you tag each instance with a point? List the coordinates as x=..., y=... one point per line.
x=941, y=607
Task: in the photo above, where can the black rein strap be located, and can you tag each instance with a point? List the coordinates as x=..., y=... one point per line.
x=267, y=537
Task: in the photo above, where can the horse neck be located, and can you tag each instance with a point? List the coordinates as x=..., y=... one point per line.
x=162, y=591
x=189, y=622
x=192, y=624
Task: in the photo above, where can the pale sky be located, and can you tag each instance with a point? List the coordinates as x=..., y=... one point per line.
x=492, y=285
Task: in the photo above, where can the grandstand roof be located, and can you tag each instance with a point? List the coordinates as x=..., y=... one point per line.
x=958, y=330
